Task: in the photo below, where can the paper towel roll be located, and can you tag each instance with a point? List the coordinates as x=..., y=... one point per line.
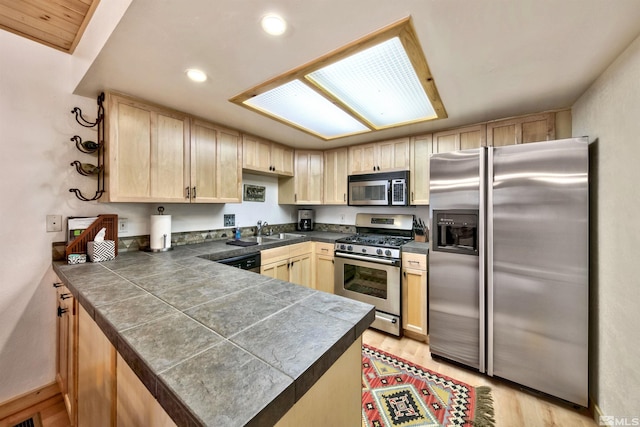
x=160, y=226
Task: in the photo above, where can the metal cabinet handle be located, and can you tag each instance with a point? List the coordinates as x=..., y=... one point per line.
x=187, y=192
x=66, y=296
x=57, y=284
x=193, y=192
x=61, y=311
x=345, y=197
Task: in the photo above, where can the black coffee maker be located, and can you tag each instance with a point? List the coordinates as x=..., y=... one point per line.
x=305, y=220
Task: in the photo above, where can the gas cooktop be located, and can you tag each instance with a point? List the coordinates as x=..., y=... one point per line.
x=375, y=240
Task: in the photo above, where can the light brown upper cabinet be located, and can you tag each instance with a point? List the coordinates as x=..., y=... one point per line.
x=146, y=152
x=382, y=156
x=154, y=154
x=305, y=187
x=266, y=157
x=421, y=149
x=335, y=176
x=460, y=139
x=216, y=164
x=520, y=130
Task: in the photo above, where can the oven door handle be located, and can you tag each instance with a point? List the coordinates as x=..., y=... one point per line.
x=368, y=259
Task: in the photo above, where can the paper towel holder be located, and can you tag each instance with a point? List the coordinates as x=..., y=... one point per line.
x=164, y=239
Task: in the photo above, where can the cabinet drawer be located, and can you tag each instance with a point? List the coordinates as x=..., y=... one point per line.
x=274, y=255
x=324, y=248
x=417, y=261
x=299, y=249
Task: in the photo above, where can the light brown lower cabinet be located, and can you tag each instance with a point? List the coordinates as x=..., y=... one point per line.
x=291, y=263
x=335, y=399
x=414, y=295
x=67, y=346
x=323, y=267
x=96, y=374
x=110, y=394
x=135, y=406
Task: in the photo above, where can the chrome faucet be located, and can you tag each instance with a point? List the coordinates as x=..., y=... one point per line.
x=261, y=225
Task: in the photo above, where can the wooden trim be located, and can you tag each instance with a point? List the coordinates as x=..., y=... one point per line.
x=29, y=399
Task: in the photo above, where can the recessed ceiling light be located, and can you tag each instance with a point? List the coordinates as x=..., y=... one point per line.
x=273, y=24
x=196, y=75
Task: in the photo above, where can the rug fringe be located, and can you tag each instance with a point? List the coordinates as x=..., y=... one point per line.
x=485, y=414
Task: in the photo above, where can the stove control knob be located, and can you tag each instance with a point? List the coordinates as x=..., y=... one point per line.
x=342, y=247
x=364, y=250
x=349, y=248
x=379, y=251
x=387, y=252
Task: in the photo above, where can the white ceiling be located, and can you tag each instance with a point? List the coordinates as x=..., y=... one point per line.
x=490, y=58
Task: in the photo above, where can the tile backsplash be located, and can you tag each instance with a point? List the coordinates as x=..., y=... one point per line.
x=135, y=243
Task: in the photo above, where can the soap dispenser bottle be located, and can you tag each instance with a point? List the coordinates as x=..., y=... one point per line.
x=238, y=235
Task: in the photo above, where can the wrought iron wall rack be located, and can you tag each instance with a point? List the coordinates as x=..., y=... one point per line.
x=90, y=147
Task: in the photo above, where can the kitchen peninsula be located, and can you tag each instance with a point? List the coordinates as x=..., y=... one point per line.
x=215, y=345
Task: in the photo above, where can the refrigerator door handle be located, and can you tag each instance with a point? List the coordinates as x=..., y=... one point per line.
x=489, y=261
x=482, y=362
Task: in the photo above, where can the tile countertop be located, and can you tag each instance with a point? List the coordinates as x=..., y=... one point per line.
x=214, y=344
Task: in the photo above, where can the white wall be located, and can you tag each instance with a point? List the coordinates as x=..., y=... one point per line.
x=35, y=175
x=609, y=113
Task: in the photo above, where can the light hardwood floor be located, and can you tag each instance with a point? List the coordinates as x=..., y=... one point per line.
x=513, y=407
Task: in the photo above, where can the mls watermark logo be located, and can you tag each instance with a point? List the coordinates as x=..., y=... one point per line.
x=613, y=421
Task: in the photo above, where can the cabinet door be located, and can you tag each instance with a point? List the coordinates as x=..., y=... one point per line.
x=146, y=152
x=308, y=177
x=67, y=326
x=216, y=171
x=277, y=270
x=393, y=155
x=229, y=167
x=282, y=160
x=520, y=130
x=362, y=159
x=204, y=163
x=300, y=270
x=136, y=406
x=335, y=177
x=324, y=267
x=96, y=374
x=256, y=154
x=421, y=147
x=414, y=301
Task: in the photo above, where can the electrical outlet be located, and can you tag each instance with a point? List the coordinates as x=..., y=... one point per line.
x=341, y=218
x=54, y=223
x=123, y=225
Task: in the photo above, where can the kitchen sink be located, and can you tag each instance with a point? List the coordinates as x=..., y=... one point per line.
x=273, y=238
x=284, y=236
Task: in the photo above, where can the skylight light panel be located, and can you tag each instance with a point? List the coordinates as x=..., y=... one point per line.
x=298, y=104
x=379, y=84
x=366, y=85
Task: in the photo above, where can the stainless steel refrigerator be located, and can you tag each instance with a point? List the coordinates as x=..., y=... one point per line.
x=508, y=263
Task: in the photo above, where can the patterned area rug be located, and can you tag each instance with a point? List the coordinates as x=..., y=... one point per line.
x=396, y=392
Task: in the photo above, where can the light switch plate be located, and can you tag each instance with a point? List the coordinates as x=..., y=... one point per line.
x=54, y=223
x=123, y=225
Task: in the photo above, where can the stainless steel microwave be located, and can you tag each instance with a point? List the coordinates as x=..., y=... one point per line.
x=379, y=189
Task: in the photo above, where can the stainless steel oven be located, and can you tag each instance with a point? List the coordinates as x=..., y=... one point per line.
x=374, y=281
x=368, y=266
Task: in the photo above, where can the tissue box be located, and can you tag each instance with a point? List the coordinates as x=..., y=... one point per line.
x=77, y=258
x=101, y=251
